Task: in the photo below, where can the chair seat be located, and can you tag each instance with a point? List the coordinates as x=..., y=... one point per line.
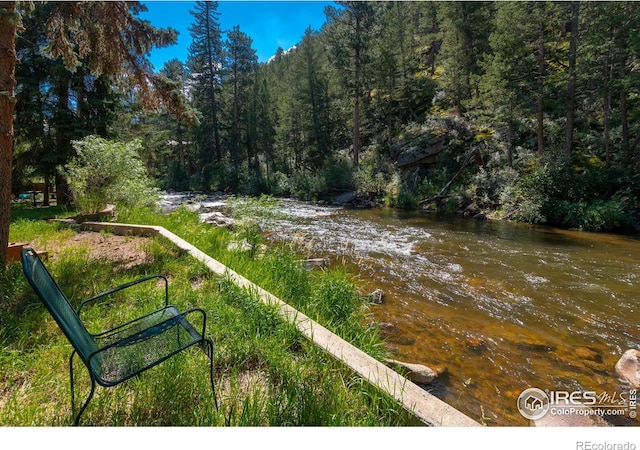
x=128, y=350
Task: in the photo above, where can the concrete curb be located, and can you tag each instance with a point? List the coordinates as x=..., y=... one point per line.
x=426, y=407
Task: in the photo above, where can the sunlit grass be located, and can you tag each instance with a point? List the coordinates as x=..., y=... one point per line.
x=266, y=373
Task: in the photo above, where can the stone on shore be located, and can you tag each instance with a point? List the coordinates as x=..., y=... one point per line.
x=218, y=219
x=348, y=198
x=628, y=368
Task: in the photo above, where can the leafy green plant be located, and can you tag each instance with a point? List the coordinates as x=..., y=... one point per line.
x=106, y=172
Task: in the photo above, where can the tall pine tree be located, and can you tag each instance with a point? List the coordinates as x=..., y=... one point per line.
x=240, y=67
x=205, y=62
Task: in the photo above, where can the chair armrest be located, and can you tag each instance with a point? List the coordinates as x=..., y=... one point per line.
x=125, y=286
x=204, y=319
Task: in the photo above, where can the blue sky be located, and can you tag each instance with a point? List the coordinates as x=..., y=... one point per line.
x=270, y=24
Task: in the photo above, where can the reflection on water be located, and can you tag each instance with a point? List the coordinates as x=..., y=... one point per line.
x=502, y=306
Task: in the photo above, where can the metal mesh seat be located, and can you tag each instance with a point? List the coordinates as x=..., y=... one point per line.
x=120, y=353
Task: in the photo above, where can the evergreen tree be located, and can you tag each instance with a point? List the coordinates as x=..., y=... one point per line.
x=106, y=35
x=507, y=87
x=312, y=93
x=349, y=33
x=466, y=27
x=265, y=128
x=179, y=161
x=610, y=49
x=205, y=62
x=240, y=68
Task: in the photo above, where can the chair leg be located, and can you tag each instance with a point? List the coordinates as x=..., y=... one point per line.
x=86, y=403
x=210, y=355
x=73, y=403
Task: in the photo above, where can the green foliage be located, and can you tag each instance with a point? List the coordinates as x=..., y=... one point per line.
x=376, y=75
x=590, y=198
x=403, y=200
x=106, y=172
x=335, y=299
x=335, y=176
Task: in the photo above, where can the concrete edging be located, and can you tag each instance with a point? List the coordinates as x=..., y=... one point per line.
x=426, y=407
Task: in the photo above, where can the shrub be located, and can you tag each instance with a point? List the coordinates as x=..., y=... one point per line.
x=106, y=172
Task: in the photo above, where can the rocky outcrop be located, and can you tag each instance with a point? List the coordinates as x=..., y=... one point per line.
x=628, y=368
x=420, y=155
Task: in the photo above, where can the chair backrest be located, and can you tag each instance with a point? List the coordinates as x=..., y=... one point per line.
x=57, y=303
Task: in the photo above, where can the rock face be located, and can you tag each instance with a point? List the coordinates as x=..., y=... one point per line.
x=416, y=372
x=628, y=368
x=420, y=155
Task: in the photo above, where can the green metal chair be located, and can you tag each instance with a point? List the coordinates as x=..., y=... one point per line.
x=120, y=353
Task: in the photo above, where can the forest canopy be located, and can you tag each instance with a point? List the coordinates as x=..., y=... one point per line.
x=531, y=108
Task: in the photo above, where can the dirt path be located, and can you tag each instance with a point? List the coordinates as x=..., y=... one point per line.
x=127, y=249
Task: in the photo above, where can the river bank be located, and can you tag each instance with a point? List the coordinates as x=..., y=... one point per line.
x=266, y=373
x=503, y=306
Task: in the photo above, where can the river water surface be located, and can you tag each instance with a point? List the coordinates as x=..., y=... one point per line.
x=502, y=306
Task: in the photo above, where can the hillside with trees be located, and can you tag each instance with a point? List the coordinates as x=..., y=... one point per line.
x=519, y=110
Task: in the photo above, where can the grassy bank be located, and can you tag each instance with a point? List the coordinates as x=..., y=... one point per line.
x=265, y=372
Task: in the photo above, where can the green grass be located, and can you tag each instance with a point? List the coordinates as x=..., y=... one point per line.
x=266, y=373
x=25, y=211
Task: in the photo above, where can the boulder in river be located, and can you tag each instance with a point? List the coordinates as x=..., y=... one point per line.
x=315, y=263
x=628, y=368
x=376, y=297
x=415, y=372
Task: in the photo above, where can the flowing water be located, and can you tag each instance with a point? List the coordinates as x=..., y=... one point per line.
x=501, y=306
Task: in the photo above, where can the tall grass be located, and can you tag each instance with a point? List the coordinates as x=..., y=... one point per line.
x=329, y=297
x=265, y=372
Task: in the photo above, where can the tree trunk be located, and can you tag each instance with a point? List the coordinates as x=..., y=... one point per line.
x=358, y=90
x=571, y=100
x=212, y=85
x=607, y=108
x=8, y=25
x=62, y=121
x=46, y=192
x=624, y=119
x=541, y=71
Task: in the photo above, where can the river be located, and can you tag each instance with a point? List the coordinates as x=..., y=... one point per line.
x=501, y=306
